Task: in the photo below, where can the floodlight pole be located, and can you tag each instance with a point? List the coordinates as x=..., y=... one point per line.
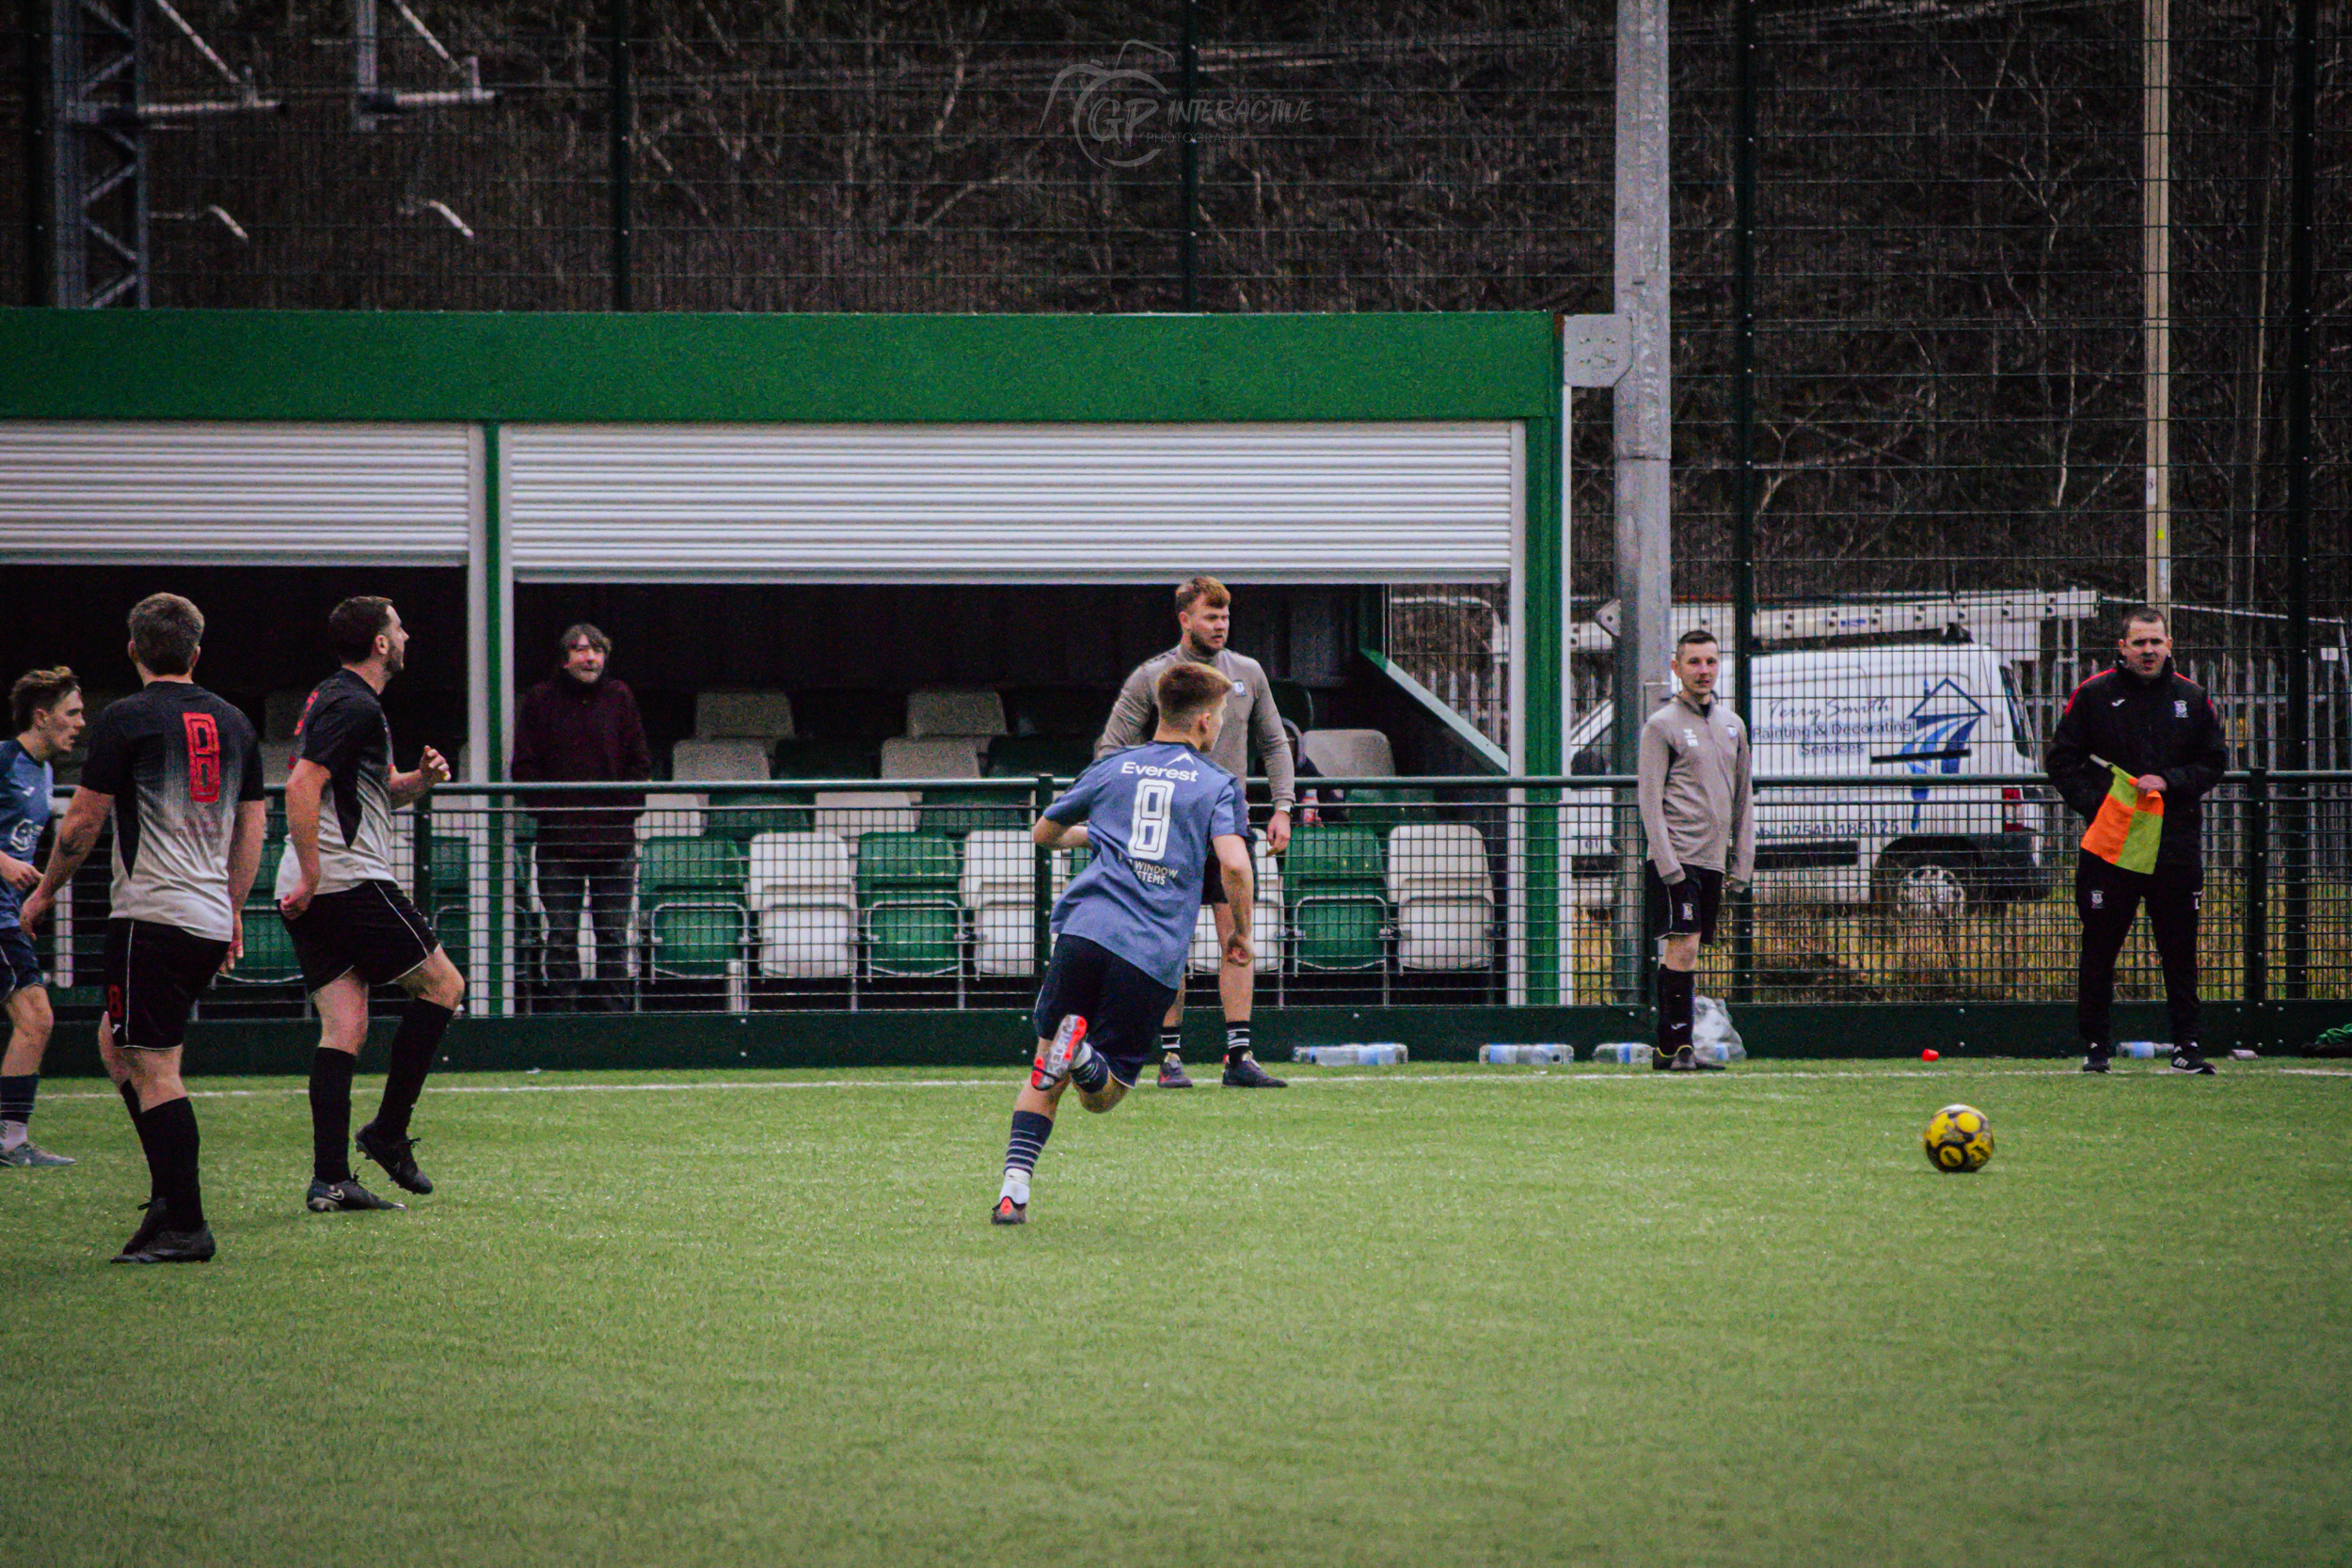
x=1644, y=437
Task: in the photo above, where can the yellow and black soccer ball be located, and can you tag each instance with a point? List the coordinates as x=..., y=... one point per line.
x=1959, y=1139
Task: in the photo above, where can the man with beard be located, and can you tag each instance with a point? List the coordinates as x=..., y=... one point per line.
x=352, y=925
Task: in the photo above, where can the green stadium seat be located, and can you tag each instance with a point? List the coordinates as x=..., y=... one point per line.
x=1381, y=810
x=1335, y=881
x=453, y=870
x=689, y=866
x=269, y=954
x=699, y=939
x=453, y=922
x=908, y=893
x=692, y=890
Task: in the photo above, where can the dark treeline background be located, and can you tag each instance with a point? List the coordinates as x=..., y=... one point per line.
x=1948, y=253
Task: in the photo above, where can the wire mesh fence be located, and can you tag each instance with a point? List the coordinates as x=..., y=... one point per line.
x=1990, y=320
x=1400, y=893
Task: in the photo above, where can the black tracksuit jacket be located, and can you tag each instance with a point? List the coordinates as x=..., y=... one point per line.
x=2165, y=725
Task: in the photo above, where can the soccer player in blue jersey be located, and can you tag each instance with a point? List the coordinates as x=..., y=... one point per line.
x=1153, y=814
x=47, y=707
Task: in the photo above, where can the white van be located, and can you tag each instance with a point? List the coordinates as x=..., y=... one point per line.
x=1879, y=716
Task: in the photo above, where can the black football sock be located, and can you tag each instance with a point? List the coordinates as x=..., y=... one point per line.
x=1171, y=1042
x=1030, y=1131
x=173, y=1158
x=130, y=1093
x=331, y=1113
x=1236, y=1039
x=16, y=1097
x=415, y=1043
x=1675, y=989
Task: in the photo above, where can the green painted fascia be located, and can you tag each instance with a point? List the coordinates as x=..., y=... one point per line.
x=1000, y=1038
x=666, y=367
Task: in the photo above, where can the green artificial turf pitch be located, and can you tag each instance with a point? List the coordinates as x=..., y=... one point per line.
x=1420, y=1316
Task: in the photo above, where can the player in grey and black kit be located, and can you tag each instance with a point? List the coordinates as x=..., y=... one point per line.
x=182, y=774
x=1699, y=812
x=1204, y=615
x=352, y=925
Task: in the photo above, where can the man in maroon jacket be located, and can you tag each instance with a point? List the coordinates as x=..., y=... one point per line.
x=582, y=724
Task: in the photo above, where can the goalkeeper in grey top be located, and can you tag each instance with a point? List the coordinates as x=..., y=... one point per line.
x=1204, y=615
x=1698, y=811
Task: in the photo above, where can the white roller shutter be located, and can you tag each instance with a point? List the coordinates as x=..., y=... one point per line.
x=1422, y=502
x=294, y=495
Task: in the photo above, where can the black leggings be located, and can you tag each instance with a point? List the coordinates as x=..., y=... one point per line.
x=2107, y=896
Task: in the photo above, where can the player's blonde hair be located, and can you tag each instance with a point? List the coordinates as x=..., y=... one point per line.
x=1186, y=691
x=1194, y=591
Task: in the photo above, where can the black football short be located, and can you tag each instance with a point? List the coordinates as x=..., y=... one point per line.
x=154, y=974
x=1123, y=1006
x=371, y=929
x=1689, y=907
x=1212, y=878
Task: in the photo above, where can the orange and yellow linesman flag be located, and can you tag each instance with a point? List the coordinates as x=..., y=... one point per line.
x=2129, y=824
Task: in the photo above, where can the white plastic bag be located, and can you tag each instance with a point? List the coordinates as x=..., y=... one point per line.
x=1711, y=1033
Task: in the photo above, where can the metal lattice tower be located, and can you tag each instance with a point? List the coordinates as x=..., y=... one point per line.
x=99, y=183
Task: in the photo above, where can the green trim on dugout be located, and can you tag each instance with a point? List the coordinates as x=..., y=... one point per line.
x=999, y=1037
x=670, y=367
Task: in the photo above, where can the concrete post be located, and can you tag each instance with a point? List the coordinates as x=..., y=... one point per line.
x=1644, y=433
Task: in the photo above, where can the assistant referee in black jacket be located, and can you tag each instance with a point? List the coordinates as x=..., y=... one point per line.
x=2157, y=724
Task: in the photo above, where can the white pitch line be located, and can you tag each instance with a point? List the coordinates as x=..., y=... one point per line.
x=1013, y=1077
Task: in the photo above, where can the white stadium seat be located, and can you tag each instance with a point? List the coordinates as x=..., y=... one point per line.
x=847, y=813
x=724, y=761
x=932, y=715
x=953, y=757
x=999, y=888
x=1350, y=753
x=743, y=715
x=801, y=892
x=1444, y=896
x=673, y=815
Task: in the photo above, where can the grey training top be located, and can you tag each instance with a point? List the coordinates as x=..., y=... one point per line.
x=1251, y=725
x=1696, y=800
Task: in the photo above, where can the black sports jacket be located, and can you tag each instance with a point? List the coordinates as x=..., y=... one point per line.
x=2165, y=725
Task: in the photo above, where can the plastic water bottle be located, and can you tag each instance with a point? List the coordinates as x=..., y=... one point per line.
x=1500, y=1054
x=1624, y=1053
x=2142, y=1049
x=1380, y=1053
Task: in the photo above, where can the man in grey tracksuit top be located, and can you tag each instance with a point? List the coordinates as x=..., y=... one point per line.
x=1204, y=615
x=1699, y=812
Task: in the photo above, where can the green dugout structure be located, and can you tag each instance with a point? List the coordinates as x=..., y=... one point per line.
x=841, y=449
x=654, y=448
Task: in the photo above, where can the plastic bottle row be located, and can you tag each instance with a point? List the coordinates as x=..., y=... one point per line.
x=1392, y=1053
